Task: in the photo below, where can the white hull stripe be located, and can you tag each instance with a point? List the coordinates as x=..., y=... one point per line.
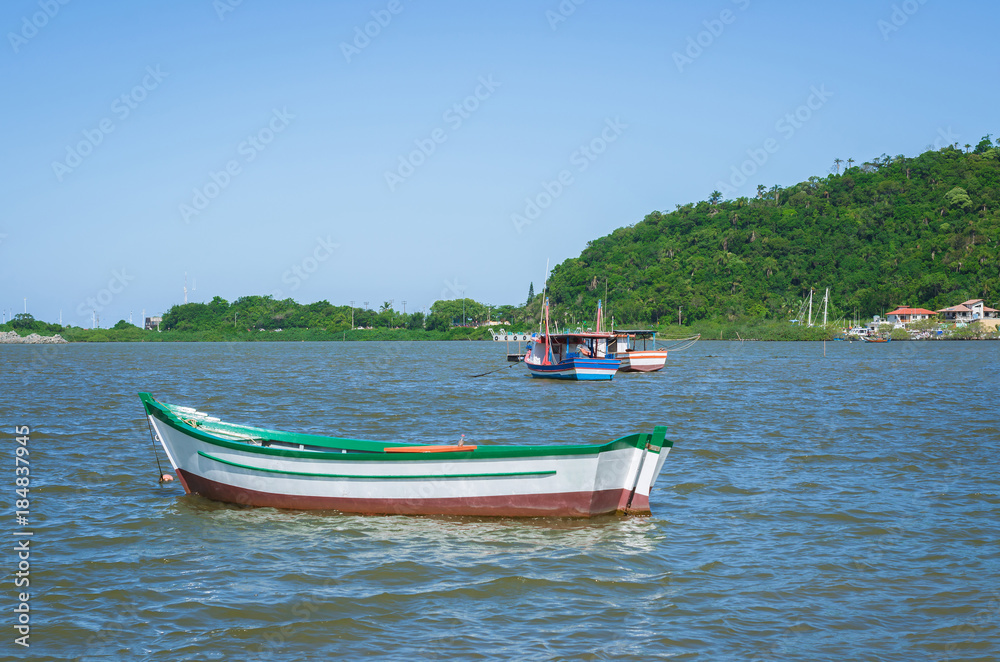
x=513, y=474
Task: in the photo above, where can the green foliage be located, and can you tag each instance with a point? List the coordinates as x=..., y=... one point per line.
x=894, y=231
x=437, y=322
x=416, y=321
x=453, y=311
x=957, y=197
x=26, y=324
x=23, y=321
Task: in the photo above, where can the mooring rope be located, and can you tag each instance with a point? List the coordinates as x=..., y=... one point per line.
x=152, y=439
x=497, y=370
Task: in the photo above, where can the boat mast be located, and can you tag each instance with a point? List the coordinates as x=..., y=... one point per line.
x=810, y=322
x=545, y=282
x=826, y=301
x=548, y=338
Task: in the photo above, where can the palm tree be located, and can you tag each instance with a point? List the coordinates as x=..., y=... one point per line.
x=715, y=197
x=760, y=191
x=850, y=162
x=836, y=163
x=967, y=147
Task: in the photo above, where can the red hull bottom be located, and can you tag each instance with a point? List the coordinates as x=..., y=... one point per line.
x=567, y=504
x=652, y=368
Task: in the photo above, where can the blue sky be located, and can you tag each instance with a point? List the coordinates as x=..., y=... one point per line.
x=276, y=148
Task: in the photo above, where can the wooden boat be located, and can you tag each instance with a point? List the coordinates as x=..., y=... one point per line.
x=868, y=339
x=258, y=467
x=581, y=355
x=634, y=359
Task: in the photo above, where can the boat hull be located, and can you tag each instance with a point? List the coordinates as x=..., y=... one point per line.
x=643, y=360
x=579, y=369
x=522, y=481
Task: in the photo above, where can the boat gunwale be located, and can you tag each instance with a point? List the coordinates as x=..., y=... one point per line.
x=374, y=450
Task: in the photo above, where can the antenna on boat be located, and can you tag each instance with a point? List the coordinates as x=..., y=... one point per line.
x=545, y=282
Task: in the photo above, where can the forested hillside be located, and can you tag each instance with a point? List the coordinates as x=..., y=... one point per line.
x=921, y=231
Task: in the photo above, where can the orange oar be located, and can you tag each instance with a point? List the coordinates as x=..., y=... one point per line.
x=427, y=449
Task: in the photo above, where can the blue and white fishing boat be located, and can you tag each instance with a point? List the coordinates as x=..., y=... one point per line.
x=579, y=355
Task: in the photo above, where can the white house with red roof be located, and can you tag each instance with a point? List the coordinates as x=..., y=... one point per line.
x=903, y=315
x=969, y=311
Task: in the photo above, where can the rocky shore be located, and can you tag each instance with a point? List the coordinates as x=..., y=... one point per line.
x=11, y=337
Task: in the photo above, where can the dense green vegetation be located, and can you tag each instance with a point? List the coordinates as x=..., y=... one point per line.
x=921, y=231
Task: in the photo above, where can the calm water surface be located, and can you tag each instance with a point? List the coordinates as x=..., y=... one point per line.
x=813, y=508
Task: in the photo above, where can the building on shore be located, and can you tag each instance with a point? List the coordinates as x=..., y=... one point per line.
x=903, y=315
x=969, y=311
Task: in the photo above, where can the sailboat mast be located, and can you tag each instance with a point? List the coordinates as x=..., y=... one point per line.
x=826, y=302
x=810, y=322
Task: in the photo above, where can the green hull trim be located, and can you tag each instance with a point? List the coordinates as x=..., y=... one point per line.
x=373, y=451
x=512, y=474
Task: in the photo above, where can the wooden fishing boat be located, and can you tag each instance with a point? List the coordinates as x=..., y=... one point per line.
x=259, y=467
x=634, y=359
x=876, y=339
x=580, y=355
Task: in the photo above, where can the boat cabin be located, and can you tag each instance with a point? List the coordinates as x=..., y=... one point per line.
x=569, y=346
x=628, y=340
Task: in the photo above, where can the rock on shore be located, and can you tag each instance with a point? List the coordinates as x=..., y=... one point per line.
x=11, y=337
